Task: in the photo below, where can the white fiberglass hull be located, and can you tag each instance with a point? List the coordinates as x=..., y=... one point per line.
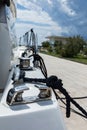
x=6, y=28
x=48, y=118
x=5, y=54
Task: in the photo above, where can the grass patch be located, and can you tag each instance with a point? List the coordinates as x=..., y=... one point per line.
x=79, y=58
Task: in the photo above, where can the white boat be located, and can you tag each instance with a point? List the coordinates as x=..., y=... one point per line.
x=24, y=105
x=33, y=110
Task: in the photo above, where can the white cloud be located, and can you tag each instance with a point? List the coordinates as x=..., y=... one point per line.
x=29, y=5
x=50, y=2
x=41, y=17
x=34, y=16
x=44, y=17
x=66, y=8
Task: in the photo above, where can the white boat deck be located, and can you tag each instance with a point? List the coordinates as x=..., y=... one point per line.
x=42, y=115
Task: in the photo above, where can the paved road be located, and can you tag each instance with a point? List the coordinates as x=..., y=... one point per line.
x=74, y=78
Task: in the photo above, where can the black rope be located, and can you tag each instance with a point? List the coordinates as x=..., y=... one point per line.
x=24, y=54
x=56, y=83
x=38, y=58
x=74, y=111
x=61, y=99
x=67, y=106
x=34, y=80
x=85, y=97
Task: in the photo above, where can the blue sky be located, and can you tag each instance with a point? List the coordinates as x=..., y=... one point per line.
x=52, y=17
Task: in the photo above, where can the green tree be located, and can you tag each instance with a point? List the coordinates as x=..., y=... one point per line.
x=58, y=45
x=85, y=51
x=50, y=49
x=45, y=44
x=67, y=51
x=73, y=46
x=80, y=41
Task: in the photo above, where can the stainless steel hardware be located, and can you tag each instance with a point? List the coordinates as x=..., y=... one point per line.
x=45, y=92
x=15, y=94
x=24, y=62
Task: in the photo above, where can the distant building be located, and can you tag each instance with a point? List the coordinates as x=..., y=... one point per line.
x=52, y=39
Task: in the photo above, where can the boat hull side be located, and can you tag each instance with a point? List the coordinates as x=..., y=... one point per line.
x=7, y=40
x=5, y=54
x=39, y=120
